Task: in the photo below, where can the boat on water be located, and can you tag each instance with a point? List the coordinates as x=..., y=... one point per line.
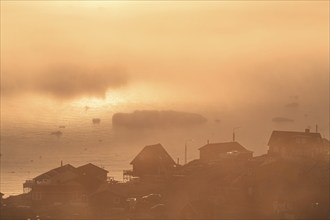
x=96, y=121
x=56, y=133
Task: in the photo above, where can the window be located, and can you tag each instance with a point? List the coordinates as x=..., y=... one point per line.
x=26, y=189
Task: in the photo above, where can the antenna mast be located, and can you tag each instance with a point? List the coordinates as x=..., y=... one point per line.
x=234, y=135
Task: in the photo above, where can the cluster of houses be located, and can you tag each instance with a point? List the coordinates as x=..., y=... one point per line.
x=290, y=145
x=88, y=185
x=65, y=184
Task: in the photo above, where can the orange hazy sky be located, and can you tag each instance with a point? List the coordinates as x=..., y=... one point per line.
x=196, y=56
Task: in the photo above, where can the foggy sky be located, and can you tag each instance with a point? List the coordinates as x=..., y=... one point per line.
x=248, y=57
x=64, y=81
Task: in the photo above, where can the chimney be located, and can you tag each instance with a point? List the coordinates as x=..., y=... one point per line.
x=316, y=128
x=208, y=141
x=307, y=130
x=178, y=161
x=61, y=163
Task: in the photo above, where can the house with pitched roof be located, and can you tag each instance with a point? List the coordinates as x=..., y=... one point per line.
x=93, y=171
x=152, y=160
x=65, y=184
x=295, y=144
x=57, y=175
x=212, y=152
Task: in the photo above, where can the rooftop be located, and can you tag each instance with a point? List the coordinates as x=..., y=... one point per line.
x=290, y=137
x=152, y=153
x=225, y=147
x=55, y=172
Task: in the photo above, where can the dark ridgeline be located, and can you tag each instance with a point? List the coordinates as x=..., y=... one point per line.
x=152, y=160
x=227, y=182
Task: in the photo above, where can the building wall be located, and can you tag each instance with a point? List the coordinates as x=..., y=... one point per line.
x=42, y=196
x=295, y=151
x=208, y=155
x=94, y=173
x=155, y=168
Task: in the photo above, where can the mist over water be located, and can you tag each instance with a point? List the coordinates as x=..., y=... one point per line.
x=97, y=81
x=29, y=148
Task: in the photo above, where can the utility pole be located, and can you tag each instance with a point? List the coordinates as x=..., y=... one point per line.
x=185, y=153
x=186, y=150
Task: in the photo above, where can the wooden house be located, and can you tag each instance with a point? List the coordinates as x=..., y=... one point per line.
x=212, y=152
x=152, y=160
x=294, y=145
x=93, y=171
x=70, y=192
x=57, y=175
x=91, y=176
x=65, y=184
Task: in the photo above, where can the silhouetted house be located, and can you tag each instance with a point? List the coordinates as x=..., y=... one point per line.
x=65, y=184
x=91, y=176
x=57, y=175
x=292, y=144
x=212, y=152
x=93, y=171
x=153, y=160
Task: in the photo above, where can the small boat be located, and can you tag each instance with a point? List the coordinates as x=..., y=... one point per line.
x=56, y=133
x=96, y=121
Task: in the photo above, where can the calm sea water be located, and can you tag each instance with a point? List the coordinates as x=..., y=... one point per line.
x=28, y=150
